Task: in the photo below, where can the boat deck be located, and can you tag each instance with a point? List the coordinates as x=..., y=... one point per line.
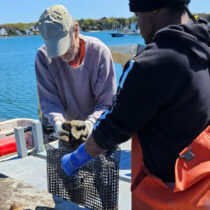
x=31, y=171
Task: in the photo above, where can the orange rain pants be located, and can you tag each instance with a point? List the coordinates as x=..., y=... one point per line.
x=192, y=179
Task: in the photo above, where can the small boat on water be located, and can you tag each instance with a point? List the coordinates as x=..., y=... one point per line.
x=118, y=34
x=133, y=30
x=124, y=33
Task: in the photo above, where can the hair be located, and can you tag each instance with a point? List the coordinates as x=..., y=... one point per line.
x=72, y=28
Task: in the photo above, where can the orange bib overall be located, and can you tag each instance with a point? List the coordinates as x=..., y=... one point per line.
x=191, y=189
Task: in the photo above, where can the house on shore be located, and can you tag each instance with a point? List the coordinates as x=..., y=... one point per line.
x=134, y=28
x=34, y=29
x=3, y=32
x=29, y=32
x=18, y=32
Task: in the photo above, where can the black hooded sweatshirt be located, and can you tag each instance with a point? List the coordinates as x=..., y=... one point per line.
x=163, y=96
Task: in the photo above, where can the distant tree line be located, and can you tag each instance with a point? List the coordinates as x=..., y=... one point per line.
x=85, y=24
x=106, y=23
x=90, y=24
x=22, y=27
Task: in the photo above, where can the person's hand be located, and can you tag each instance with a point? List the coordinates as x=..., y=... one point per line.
x=78, y=129
x=73, y=161
x=59, y=128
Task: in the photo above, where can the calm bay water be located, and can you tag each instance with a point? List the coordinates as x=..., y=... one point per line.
x=18, y=92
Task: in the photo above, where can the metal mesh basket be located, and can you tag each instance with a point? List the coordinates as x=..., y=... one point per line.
x=96, y=184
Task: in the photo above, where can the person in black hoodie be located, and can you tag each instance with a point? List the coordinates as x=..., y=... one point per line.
x=164, y=91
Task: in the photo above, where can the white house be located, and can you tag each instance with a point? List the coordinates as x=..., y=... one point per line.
x=34, y=28
x=19, y=33
x=3, y=32
x=28, y=32
x=134, y=27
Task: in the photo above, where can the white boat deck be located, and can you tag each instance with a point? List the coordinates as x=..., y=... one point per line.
x=31, y=170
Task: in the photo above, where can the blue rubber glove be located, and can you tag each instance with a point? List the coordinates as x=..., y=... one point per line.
x=73, y=161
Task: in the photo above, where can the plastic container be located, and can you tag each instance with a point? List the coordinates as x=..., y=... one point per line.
x=7, y=146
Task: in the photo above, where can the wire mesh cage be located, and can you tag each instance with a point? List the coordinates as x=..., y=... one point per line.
x=94, y=186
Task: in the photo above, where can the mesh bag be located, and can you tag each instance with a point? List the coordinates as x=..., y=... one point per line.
x=94, y=186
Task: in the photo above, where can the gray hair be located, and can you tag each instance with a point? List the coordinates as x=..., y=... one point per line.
x=72, y=28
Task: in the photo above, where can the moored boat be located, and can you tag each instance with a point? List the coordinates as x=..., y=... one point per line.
x=117, y=34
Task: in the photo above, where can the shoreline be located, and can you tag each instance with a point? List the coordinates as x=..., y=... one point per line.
x=4, y=37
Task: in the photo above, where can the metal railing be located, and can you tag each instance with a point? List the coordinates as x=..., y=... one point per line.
x=37, y=138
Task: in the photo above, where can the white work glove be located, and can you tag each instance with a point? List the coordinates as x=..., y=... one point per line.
x=59, y=128
x=79, y=129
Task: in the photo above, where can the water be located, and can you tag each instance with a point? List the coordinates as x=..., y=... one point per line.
x=18, y=92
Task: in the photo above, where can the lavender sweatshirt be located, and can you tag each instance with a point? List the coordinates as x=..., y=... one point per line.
x=81, y=93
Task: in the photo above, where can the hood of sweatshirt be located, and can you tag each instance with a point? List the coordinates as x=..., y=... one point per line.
x=195, y=36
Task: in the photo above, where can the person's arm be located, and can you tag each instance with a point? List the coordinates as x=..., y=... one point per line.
x=105, y=87
x=48, y=94
x=134, y=105
x=85, y=152
x=92, y=148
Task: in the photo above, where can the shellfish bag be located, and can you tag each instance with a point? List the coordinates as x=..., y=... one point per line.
x=96, y=184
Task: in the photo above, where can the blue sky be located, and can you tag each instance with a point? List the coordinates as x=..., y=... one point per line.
x=26, y=11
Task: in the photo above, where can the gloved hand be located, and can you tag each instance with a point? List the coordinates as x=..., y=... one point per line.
x=78, y=129
x=59, y=128
x=73, y=161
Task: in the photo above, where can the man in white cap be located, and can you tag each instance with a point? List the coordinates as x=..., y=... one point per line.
x=75, y=73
